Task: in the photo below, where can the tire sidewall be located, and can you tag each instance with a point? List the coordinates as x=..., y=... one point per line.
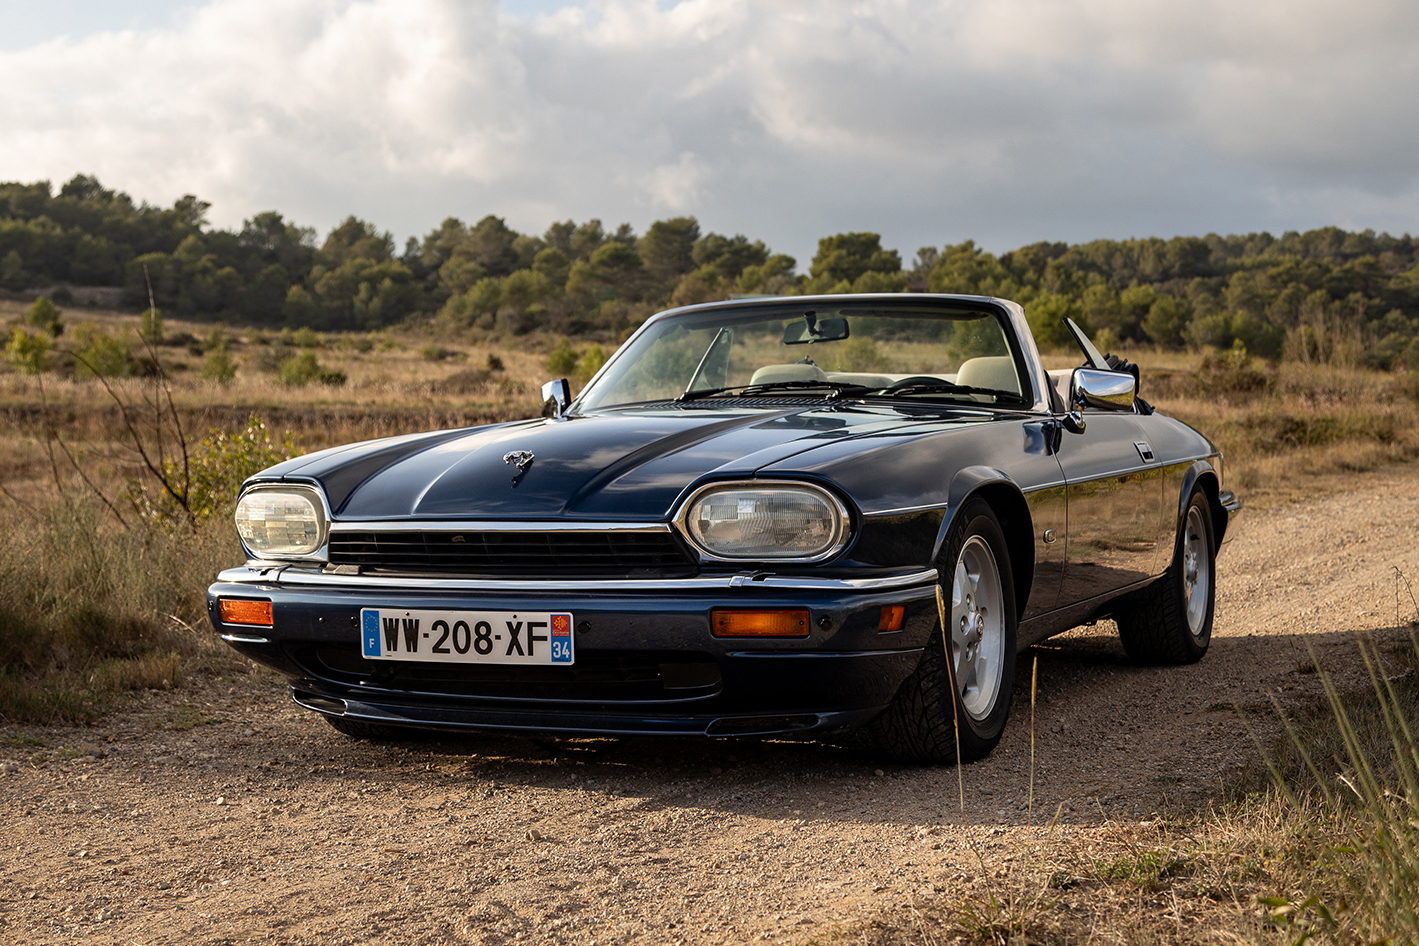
x=976, y=518
x=1198, y=643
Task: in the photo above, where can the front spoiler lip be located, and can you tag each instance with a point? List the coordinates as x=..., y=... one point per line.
x=447, y=719
x=289, y=576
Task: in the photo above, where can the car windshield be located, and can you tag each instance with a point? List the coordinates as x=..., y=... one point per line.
x=859, y=350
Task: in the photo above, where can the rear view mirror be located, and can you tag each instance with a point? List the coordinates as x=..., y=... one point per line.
x=813, y=329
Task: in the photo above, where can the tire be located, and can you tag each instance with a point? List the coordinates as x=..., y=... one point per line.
x=977, y=594
x=359, y=729
x=1170, y=622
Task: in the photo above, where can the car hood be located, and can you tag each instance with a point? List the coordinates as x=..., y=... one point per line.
x=626, y=465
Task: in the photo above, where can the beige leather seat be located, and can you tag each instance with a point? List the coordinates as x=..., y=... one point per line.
x=996, y=372
x=770, y=373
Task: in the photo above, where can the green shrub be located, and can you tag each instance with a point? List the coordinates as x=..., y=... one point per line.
x=28, y=353
x=562, y=361
x=303, y=368
x=219, y=366
x=212, y=473
x=100, y=355
x=44, y=315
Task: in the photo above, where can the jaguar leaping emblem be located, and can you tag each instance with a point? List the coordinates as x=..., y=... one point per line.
x=523, y=459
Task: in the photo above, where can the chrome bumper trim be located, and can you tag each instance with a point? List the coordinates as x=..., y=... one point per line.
x=473, y=525
x=293, y=577
x=245, y=639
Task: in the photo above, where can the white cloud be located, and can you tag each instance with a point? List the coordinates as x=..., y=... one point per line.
x=1004, y=120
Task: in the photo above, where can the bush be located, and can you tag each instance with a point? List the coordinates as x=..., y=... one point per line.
x=28, y=353
x=219, y=366
x=101, y=355
x=302, y=369
x=562, y=361
x=1231, y=375
x=215, y=469
x=44, y=315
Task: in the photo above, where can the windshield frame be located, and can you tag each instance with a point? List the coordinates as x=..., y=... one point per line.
x=1012, y=317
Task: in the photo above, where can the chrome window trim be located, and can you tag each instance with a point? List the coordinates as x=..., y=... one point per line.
x=473, y=525
x=322, y=553
x=305, y=578
x=844, y=522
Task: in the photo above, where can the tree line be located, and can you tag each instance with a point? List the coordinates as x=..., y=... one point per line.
x=1326, y=295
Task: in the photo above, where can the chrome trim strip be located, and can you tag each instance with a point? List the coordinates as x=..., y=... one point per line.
x=301, y=577
x=473, y=525
x=245, y=639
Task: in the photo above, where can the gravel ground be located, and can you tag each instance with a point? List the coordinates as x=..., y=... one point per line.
x=222, y=813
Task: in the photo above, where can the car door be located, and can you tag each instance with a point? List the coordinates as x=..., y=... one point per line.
x=1114, y=494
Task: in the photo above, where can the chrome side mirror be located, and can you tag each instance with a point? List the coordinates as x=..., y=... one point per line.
x=556, y=396
x=1102, y=390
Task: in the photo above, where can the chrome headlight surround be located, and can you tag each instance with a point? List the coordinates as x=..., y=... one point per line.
x=316, y=515
x=838, y=534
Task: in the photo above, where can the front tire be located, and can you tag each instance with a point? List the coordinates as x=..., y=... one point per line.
x=960, y=691
x=1171, y=621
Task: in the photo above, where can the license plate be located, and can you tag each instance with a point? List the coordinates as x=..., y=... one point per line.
x=537, y=638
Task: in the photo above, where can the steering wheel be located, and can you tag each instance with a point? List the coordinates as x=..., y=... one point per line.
x=914, y=379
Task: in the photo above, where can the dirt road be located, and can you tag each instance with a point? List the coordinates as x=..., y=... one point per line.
x=224, y=814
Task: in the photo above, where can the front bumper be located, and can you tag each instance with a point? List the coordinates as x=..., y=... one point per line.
x=646, y=661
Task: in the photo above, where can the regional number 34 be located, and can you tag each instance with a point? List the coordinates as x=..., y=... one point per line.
x=479, y=638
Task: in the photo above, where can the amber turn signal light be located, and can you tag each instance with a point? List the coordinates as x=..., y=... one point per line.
x=782, y=623
x=892, y=619
x=245, y=612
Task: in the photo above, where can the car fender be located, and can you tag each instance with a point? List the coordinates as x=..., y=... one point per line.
x=1203, y=473
x=1007, y=500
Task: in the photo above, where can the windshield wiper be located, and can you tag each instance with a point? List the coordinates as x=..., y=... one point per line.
x=937, y=387
x=837, y=388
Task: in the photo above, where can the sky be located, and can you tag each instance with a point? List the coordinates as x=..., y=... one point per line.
x=1002, y=121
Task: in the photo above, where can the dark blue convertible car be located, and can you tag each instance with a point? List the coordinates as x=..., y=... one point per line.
x=769, y=516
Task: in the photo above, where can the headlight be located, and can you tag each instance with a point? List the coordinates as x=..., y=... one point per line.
x=770, y=521
x=280, y=523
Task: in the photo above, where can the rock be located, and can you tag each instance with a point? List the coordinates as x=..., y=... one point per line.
x=221, y=801
x=163, y=885
x=534, y=835
x=878, y=772
x=9, y=768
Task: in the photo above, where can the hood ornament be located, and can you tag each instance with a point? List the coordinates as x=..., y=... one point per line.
x=523, y=459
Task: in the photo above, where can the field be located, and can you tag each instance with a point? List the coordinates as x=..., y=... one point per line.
x=1127, y=805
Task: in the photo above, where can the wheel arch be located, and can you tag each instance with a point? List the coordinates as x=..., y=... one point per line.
x=1006, y=500
x=1203, y=475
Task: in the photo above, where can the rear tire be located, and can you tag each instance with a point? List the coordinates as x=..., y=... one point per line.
x=977, y=592
x=359, y=729
x=1170, y=622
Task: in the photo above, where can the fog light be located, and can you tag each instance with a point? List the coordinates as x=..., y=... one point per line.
x=782, y=623
x=892, y=619
x=235, y=611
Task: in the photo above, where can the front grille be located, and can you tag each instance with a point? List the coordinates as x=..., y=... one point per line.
x=511, y=553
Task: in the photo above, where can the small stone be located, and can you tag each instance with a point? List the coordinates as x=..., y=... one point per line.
x=878, y=772
x=716, y=771
x=9, y=768
x=163, y=885
x=533, y=834
x=221, y=801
